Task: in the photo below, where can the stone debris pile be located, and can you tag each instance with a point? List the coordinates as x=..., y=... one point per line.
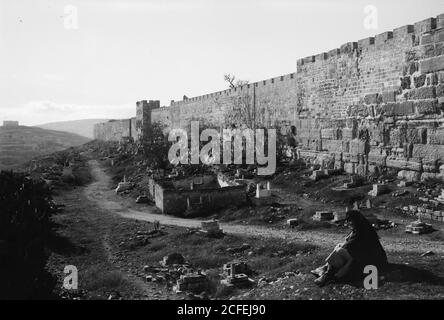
x=418, y=227
x=427, y=211
x=177, y=274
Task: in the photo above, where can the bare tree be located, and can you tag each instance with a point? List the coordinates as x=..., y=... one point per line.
x=233, y=82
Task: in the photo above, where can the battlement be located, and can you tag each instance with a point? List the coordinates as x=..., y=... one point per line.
x=415, y=31
x=229, y=92
x=151, y=104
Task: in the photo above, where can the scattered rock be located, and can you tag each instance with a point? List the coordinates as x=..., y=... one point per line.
x=428, y=253
x=143, y=199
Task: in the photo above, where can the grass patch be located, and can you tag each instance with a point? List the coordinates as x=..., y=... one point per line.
x=98, y=278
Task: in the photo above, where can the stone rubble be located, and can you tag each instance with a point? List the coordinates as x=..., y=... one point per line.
x=418, y=228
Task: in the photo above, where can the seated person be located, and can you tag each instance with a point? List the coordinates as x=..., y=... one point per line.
x=348, y=260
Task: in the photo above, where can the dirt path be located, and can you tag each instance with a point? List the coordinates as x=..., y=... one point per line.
x=149, y=291
x=100, y=193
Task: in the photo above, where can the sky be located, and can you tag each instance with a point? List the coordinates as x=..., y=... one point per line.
x=78, y=59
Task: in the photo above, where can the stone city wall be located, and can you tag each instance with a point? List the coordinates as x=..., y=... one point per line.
x=368, y=105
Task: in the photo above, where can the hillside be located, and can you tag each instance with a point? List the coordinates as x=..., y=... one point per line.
x=81, y=127
x=20, y=144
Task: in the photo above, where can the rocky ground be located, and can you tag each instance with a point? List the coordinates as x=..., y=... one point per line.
x=115, y=245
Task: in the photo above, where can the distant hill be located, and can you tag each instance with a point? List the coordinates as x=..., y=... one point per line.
x=81, y=127
x=20, y=144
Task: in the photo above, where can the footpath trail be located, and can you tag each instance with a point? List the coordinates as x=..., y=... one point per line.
x=100, y=193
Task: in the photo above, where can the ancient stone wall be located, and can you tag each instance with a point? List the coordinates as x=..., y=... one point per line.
x=368, y=105
x=144, y=110
x=114, y=130
x=266, y=103
x=385, y=111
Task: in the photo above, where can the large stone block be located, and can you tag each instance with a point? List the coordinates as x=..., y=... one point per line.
x=396, y=137
x=330, y=133
x=439, y=36
x=377, y=157
x=430, y=152
x=357, y=147
x=348, y=133
x=389, y=96
x=435, y=136
x=440, y=90
x=426, y=107
x=409, y=175
x=404, y=108
x=396, y=109
x=432, y=64
x=429, y=166
x=422, y=93
x=349, y=167
x=425, y=25
x=372, y=98
x=332, y=145
x=427, y=175
x=404, y=164
x=416, y=135
x=361, y=170
x=420, y=80
x=426, y=39
x=406, y=82
x=440, y=21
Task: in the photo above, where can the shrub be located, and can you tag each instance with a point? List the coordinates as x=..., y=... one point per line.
x=25, y=230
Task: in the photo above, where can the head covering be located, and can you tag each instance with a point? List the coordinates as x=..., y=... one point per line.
x=360, y=225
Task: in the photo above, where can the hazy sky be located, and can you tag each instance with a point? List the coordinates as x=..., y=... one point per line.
x=54, y=67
